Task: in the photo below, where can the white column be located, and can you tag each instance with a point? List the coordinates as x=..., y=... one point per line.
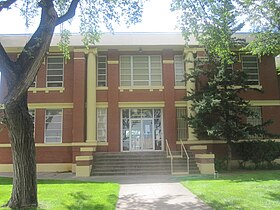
x=91, y=95
x=189, y=66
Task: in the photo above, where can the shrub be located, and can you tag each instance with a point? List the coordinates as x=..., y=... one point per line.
x=258, y=152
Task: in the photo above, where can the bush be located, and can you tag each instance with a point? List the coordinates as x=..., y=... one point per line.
x=258, y=152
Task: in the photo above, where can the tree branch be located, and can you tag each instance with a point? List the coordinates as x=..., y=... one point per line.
x=30, y=59
x=70, y=13
x=6, y=4
x=6, y=65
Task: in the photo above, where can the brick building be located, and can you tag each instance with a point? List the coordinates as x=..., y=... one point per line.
x=124, y=94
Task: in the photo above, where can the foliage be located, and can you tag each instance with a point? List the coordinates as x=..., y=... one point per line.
x=20, y=73
x=219, y=109
x=250, y=191
x=71, y=194
x=264, y=18
x=258, y=152
x=221, y=164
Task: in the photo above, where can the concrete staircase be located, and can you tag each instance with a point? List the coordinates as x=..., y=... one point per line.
x=139, y=163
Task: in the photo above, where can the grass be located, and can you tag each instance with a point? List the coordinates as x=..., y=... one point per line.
x=68, y=195
x=243, y=190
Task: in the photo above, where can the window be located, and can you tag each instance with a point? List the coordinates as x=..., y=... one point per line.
x=179, y=70
x=101, y=125
x=251, y=68
x=140, y=70
x=53, y=126
x=257, y=119
x=55, y=67
x=101, y=71
x=181, y=123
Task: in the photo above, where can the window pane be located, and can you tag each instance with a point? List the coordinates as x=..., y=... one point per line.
x=102, y=71
x=181, y=123
x=55, y=69
x=101, y=124
x=142, y=68
x=250, y=67
x=53, y=125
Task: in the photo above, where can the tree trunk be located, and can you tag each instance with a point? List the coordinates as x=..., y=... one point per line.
x=229, y=156
x=21, y=131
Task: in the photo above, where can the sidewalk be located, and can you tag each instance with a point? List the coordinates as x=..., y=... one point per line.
x=157, y=192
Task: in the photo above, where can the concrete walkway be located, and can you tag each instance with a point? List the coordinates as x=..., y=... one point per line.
x=143, y=192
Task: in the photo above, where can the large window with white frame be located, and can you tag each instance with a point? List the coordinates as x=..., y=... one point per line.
x=55, y=71
x=182, y=127
x=101, y=124
x=179, y=70
x=140, y=70
x=101, y=71
x=53, y=125
x=251, y=68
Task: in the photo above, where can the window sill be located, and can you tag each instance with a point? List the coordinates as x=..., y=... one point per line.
x=46, y=90
x=132, y=88
x=180, y=87
x=103, y=143
x=101, y=88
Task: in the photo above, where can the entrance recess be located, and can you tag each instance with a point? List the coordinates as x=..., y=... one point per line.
x=141, y=129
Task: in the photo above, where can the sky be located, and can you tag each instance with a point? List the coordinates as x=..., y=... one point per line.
x=157, y=17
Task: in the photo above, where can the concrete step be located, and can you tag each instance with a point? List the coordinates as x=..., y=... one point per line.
x=140, y=163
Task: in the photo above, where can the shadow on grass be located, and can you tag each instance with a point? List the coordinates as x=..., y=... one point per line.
x=82, y=201
x=9, y=181
x=244, y=176
x=274, y=196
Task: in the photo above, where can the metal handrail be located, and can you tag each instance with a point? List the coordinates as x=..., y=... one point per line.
x=170, y=155
x=183, y=148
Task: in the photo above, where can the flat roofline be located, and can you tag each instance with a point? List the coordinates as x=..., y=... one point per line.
x=116, y=39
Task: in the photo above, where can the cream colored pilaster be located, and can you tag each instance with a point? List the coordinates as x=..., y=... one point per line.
x=91, y=95
x=189, y=66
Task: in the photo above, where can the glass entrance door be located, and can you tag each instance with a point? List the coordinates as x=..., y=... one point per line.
x=141, y=129
x=141, y=135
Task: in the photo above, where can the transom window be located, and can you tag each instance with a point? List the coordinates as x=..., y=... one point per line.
x=140, y=70
x=181, y=123
x=251, y=68
x=101, y=124
x=101, y=71
x=53, y=126
x=55, y=67
x=179, y=70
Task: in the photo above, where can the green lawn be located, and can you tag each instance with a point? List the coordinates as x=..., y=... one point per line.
x=243, y=190
x=71, y=195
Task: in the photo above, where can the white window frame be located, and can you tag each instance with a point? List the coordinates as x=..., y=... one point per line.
x=61, y=125
x=179, y=71
x=256, y=81
x=101, y=126
x=47, y=71
x=99, y=74
x=150, y=71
